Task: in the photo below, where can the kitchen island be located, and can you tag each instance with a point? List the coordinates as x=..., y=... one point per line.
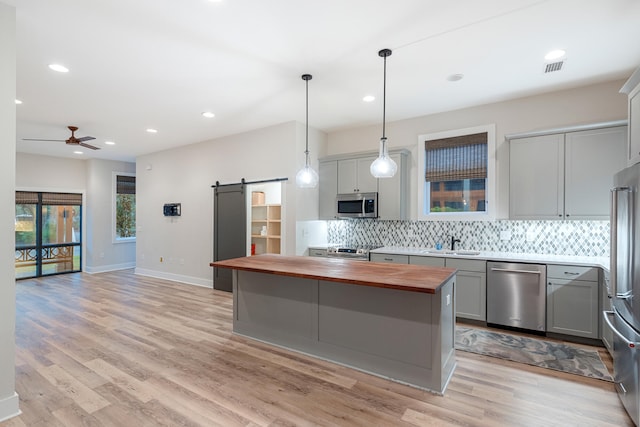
x=394, y=321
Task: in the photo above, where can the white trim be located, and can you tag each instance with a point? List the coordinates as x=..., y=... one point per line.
x=9, y=407
x=112, y=267
x=490, y=203
x=114, y=238
x=189, y=280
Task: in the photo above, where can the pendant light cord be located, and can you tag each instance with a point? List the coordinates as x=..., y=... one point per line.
x=306, y=149
x=384, y=97
x=306, y=78
x=384, y=53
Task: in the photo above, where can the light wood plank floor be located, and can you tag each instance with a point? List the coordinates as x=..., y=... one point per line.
x=116, y=349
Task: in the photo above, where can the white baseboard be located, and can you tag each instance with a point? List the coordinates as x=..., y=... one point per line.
x=197, y=281
x=9, y=407
x=112, y=267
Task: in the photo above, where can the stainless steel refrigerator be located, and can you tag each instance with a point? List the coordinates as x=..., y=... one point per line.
x=624, y=287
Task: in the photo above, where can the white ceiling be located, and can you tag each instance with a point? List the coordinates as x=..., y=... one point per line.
x=136, y=64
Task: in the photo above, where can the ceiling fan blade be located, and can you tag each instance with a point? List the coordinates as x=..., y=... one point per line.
x=89, y=145
x=85, y=138
x=36, y=139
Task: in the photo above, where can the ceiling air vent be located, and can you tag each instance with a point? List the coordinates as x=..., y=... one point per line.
x=554, y=66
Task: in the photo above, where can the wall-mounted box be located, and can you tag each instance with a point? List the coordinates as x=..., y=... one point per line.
x=172, y=209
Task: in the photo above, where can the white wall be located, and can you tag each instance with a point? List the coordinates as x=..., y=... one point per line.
x=94, y=179
x=102, y=253
x=185, y=175
x=584, y=105
x=8, y=396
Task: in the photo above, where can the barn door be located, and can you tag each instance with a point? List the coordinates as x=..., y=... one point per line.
x=229, y=230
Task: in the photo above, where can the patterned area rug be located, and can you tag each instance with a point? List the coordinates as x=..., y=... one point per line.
x=532, y=351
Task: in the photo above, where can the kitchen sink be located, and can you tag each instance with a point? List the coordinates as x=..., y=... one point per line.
x=450, y=252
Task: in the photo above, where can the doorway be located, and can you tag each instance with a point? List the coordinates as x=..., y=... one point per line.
x=47, y=233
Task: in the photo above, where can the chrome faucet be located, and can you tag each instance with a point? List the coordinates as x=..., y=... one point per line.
x=453, y=243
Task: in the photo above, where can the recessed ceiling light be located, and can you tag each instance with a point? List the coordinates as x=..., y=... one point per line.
x=455, y=77
x=208, y=114
x=555, y=54
x=77, y=152
x=18, y=102
x=150, y=130
x=59, y=68
x=110, y=143
x=369, y=98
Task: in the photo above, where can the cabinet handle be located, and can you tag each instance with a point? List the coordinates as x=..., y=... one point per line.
x=388, y=259
x=569, y=273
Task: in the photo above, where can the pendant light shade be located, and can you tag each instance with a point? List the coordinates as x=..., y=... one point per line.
x=384, y=166
x=307, y=177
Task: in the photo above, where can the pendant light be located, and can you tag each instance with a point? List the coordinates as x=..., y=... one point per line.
x=307, y=177
x=384, y=166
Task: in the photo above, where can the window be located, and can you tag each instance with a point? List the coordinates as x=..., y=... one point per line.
x=47, y=233
x=125, y=206
x=457, y=174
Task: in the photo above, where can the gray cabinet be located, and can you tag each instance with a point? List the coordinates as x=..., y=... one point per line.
x=349, y=173
x=535, y=177
x=393, y=193
x=573, y=300
x=431, y=261
x=565, y=175
x=320, y=252
x=327, y=188
x=397, y=259
x=354, y=176
x=591, y=159
x=470, y=287
x=632, y=89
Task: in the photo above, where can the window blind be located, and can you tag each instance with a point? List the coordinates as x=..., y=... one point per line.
x=31, y=198
x=26, y=198
x=125, y=184
x=68, y=199
x=456, y=158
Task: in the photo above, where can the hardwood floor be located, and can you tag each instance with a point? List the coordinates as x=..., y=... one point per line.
x=116, y=349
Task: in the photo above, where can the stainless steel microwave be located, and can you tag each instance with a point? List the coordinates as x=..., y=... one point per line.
x=357, y=205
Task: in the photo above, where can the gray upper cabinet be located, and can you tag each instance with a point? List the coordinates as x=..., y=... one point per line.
x=328, y=188
x=536, y=167
x=632, y=89
x=393, y=197
x=350, y=173
x=354, y=176
x=565, y=175
x=591, y=159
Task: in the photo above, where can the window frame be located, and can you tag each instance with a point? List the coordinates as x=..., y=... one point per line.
x=423, y=186
x=114, y=203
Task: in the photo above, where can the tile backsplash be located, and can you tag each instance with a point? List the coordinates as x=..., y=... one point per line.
x=583, y=238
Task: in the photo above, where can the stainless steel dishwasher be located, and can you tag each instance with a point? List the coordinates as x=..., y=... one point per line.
x=516, y=295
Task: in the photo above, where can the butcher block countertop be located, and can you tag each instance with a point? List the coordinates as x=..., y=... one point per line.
x=406, y=277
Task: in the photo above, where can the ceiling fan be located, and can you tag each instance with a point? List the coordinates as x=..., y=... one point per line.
x=72, y=139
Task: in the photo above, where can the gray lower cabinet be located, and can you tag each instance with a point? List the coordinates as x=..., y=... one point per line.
x=397, y=259
x=573, y=306
x=471, y=284
x=471, y=288
x=321, y=252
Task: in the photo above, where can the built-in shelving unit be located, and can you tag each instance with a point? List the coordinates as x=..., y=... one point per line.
x=269, y=219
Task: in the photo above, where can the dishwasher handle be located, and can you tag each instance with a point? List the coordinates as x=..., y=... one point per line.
x=507, y=270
